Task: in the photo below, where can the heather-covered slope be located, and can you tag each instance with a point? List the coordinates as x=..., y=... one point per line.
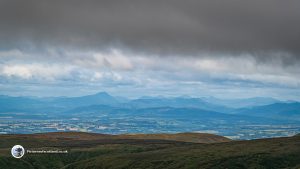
x=148, y=151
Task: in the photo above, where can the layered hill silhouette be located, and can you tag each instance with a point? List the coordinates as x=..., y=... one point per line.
x=33, y=104
x=276, y=110
x=32, y=107
x=103, y=113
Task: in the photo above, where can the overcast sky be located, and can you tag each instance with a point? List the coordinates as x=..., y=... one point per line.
x=226, y=49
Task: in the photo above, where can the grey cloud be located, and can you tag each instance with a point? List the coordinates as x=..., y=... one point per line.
x=169, y=27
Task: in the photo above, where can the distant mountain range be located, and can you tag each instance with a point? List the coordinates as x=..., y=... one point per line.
x=104, y=113
x=53, y=104
x=276, y=110
x=240, y=103
x=103, y=98
x=176, y=106
x=178, y=102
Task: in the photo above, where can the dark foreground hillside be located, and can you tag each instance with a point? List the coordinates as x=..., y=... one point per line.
x=150, y=151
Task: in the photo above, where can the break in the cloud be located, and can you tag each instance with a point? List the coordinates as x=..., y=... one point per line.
x=136, y=47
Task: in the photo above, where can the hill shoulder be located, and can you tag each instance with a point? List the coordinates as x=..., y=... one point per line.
x=181, y=137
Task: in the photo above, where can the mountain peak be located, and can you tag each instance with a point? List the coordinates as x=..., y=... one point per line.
x=102, y=94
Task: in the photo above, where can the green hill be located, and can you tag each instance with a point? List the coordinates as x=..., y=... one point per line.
x=86, y=150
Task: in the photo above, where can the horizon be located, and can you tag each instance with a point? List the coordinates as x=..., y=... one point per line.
x=150, y=96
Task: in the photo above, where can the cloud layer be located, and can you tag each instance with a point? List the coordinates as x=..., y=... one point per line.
x=152, y=46
x=170, y=26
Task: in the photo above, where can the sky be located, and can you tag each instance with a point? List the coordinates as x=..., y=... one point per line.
x=133, y=48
